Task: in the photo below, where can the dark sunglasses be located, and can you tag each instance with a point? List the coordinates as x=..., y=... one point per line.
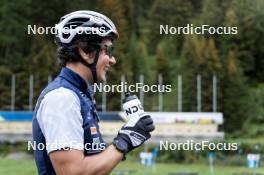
x=108, y=50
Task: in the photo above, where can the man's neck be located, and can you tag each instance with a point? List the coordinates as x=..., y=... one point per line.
x=82, y=70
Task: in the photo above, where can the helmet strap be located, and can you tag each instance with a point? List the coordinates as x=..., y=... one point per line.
x=92, y=66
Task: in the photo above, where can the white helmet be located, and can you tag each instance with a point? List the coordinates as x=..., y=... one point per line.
x=84, y=22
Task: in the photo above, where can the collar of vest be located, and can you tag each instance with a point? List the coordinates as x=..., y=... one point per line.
x=76, y=80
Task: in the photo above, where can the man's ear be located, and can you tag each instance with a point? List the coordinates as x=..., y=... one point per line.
x=88, y=57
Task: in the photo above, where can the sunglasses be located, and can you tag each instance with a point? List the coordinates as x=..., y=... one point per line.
x=108, y=50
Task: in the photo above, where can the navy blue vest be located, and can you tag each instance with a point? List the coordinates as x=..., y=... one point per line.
x=70, y=80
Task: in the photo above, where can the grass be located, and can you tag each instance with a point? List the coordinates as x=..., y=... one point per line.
x=27, y=167
x=164, y=169
x=17, y=167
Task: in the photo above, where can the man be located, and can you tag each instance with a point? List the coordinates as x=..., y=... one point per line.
x=65, y=119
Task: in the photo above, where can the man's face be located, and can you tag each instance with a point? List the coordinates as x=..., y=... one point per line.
x=104, y=61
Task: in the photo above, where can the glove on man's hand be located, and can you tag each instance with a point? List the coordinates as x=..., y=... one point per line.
x=134, y=133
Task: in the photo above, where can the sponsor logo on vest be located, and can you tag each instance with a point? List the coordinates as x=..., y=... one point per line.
x=96, y=140
x=93, y=130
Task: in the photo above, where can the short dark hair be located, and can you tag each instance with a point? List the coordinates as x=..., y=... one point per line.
x=70, y=53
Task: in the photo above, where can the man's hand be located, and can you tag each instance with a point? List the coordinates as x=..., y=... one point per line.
x=134, y=133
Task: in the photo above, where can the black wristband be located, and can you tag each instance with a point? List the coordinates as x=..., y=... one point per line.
x=121, y=147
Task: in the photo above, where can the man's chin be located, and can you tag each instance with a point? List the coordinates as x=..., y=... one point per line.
x=101, y=79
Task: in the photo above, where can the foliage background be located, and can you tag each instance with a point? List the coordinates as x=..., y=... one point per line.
x=237, y=60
